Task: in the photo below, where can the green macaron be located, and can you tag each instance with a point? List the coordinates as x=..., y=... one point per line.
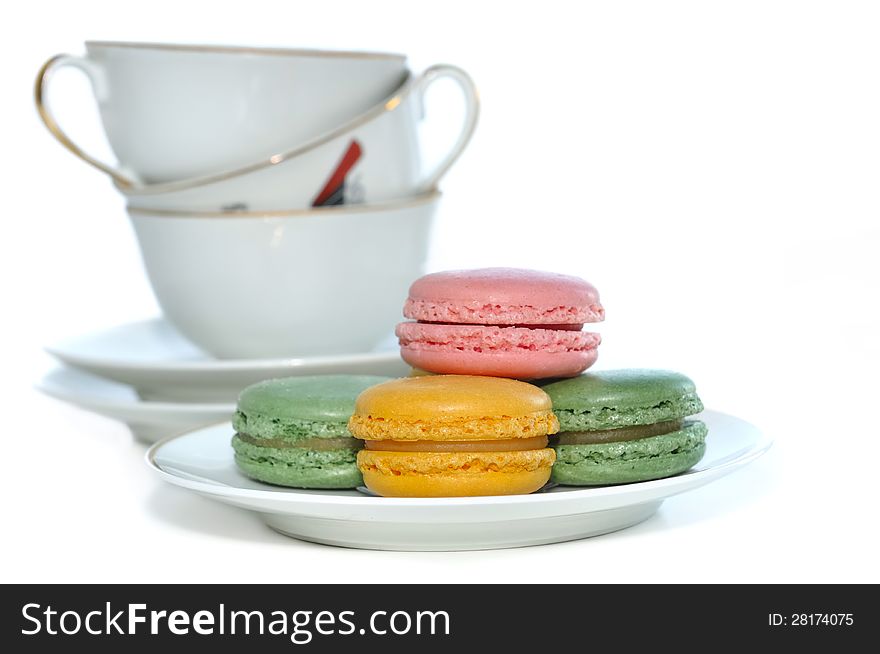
x=624, y=426
x=294, y=431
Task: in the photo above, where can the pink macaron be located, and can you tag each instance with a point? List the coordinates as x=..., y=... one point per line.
x=500, y=322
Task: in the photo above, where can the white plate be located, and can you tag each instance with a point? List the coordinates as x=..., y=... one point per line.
x=148, y=421
x=162, y=365
x=202, y=461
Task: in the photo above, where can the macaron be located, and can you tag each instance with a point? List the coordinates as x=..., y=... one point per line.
x=452, y=436
x=500, y=322
x=294, y=431
x=623, y=426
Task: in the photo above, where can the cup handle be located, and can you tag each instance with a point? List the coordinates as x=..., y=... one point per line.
x=472, y=112
x=96, y=77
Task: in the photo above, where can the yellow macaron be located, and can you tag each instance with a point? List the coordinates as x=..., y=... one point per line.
x=454, y=435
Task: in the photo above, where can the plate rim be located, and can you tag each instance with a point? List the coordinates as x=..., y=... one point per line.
x=94, y=403
x=58, y=351
x=758, y=449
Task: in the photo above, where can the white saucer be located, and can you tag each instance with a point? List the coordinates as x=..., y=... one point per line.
x=162, y=365
x=148, y=421
x=203, y=462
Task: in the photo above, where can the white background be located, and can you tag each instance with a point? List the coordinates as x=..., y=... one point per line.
x=712, y=167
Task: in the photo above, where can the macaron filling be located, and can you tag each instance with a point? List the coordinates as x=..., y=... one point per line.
x=482, y=313
x=319, y=444
x=500, y=445
x=618, y=435
x=626, y=462
x=494, y=338
x=690, y=438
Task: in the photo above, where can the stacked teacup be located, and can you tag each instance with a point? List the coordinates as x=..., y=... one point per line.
x=277, y=195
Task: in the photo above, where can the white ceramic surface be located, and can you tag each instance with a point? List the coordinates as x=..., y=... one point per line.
x=154, y=359
x=373, y=158
x=292, y=284
x=175, y=112
x=148, y=421
x=202, y=461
